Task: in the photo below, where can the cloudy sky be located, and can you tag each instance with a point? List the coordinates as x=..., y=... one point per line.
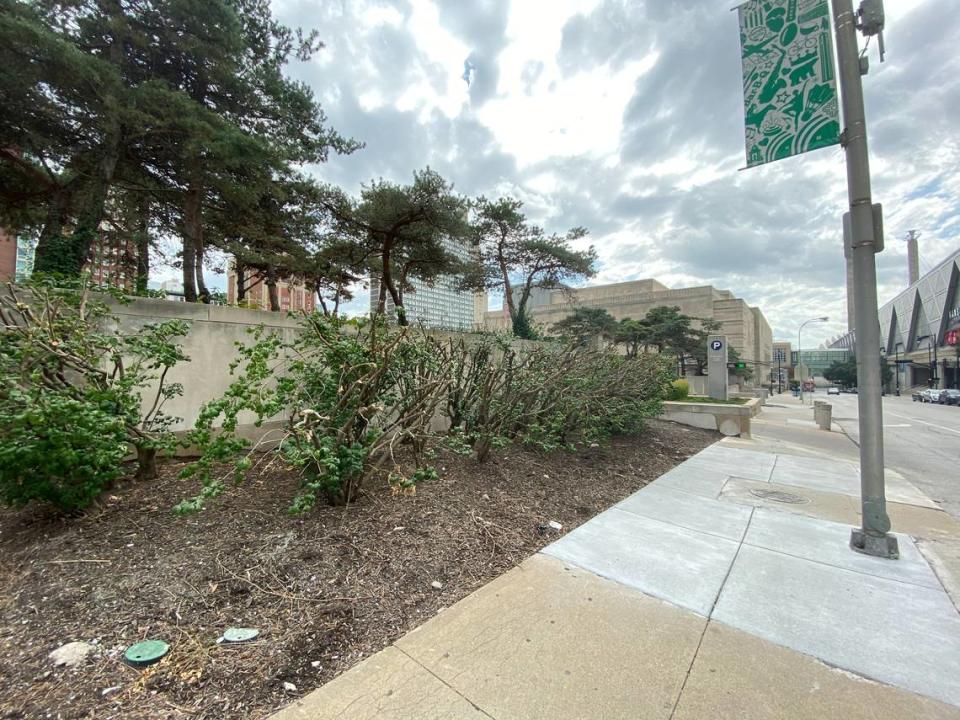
x=626, y=118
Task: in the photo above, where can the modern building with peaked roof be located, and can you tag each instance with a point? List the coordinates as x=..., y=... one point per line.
x=920, y=329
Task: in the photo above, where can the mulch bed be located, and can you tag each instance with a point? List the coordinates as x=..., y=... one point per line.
x=325, y=589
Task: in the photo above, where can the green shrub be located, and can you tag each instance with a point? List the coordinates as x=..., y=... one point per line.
x=58, y=449
x=679, y=390
x=547, y=396
x=350, y=392
x=71, y=388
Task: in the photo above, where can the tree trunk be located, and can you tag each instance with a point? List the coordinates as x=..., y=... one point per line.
x=143, y=244
x=52, y=244
x=146, y=463
x=202, y=293
x=192, y=229
x=272, y=292
x=189, y=268
x=386, y=280
x=339, y=295
x=508, y=292
x=241, y=272
x=482, y=449
x=382, y=299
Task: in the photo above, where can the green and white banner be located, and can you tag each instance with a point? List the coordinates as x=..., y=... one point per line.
x=789, y=83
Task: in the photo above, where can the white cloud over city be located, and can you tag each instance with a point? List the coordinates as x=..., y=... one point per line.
x=626, y=118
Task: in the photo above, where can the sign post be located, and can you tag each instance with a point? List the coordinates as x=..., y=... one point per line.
x=790, y=107
x=873, y=537
x=717, y=366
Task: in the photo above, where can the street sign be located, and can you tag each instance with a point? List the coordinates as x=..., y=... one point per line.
x=789, y=82
x=717, y=366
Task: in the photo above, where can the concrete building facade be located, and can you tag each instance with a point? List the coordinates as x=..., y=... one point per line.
x=920, y=330
x=781, y=361
x=746, y=327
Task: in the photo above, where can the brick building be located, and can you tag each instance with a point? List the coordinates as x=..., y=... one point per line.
x=113, y=260
x=16, y=257
x=293, y=296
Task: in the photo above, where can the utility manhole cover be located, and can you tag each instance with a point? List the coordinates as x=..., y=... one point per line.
x=779, y=496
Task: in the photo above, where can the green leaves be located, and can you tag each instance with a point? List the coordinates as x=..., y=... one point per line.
x=584, y=323
x=546, y=396
x=73, y=397
x=515, y=257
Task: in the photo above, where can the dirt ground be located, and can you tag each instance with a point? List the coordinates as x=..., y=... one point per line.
x=325, y=589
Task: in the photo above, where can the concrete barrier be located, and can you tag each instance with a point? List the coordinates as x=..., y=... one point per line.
x=731, y=420
x=823, y=414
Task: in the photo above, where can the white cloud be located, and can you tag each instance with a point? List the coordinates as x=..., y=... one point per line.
x=626, y=117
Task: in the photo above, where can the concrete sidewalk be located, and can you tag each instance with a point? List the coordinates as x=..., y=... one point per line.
x=725, y=589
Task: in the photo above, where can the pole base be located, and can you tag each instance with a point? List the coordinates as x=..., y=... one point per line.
x=884, y=546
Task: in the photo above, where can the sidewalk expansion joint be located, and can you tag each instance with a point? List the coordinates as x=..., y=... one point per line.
x=776, y=459
x=847, y=569
x=706, y=624
x=446, y=684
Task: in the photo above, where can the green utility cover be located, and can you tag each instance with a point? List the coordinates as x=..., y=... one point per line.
x=146, y=652
x=235, y=635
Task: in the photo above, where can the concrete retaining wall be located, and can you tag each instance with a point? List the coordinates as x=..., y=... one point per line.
x=210, y=344
x=732, y=420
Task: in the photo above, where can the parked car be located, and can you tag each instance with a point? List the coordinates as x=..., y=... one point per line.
x=950, y=397
x=833, y=391
x=930, y=395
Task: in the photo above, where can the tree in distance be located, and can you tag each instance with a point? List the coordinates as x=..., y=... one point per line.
x=514, y=257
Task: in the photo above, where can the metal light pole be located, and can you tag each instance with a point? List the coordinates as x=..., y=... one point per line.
x=873, y=537
x=956, y=370
x=780, y=372
x=800, y=351
x=930, y=366
x=936, y=363
x=896, y=349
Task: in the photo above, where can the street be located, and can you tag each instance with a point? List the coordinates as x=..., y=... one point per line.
x=921, y=441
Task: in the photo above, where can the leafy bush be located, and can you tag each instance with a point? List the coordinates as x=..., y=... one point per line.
x=350, y=393
x=547, y=396
x=679, y=390
x=71, y=385
x=56, y=448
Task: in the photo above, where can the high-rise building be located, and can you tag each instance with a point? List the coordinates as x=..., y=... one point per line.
x=440, y=305
x=113, y=259
x=26, y=248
